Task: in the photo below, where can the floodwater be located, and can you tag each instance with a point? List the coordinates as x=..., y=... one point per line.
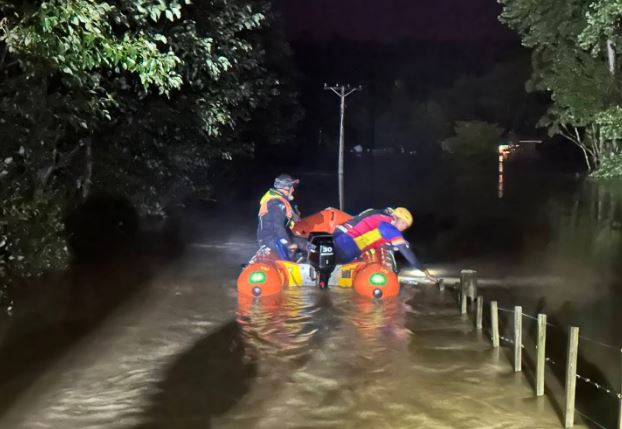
x=541, y=237
x=181, y=351
x=187, y=354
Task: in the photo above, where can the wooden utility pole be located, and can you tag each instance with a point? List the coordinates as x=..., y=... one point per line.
x=611, y=55
x=342, y=92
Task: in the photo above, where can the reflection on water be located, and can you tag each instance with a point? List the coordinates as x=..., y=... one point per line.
x=193, y=356
x=319, y=351
x=578, y=240
x=587, y=243
x=333, y=359
x=292, y=326
x=585, y=251
x=190, y=355
x=500, y=184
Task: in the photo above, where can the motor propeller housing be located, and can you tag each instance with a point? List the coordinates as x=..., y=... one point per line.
x=322, y=257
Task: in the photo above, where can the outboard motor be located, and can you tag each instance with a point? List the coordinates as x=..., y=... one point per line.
x=322, y=257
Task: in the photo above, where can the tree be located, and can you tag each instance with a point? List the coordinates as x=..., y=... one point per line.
x=567, y=38
x=474, y=140
x=54, y=56
x=229, y=83
x=138, y=96
x=429, y=124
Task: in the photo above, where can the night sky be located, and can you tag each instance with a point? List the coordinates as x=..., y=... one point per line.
x=392, y=20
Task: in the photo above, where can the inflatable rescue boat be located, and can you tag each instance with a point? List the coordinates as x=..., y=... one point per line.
x=372, y=275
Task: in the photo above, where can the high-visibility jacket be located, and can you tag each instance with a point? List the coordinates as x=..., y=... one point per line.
x=276, y=218
x=371, y=229
x=274, y=195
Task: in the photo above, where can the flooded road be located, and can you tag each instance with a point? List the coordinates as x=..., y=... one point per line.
x=186, y=354
x=182, y=352
x=540, y=235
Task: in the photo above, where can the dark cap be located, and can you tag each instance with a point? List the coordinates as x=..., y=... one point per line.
x=285, y=181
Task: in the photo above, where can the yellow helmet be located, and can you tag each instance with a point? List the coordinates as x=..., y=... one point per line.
x=403, y=214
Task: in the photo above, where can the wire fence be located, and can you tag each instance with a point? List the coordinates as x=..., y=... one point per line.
x=599, y=386
x=571, y=372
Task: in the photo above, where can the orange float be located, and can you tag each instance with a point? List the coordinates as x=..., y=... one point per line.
x=376, y=280
x=260, y=279
x=372, y=275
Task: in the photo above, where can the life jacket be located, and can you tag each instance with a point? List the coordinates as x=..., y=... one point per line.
x=372, y=229
x=365, y=222
x=385, y=233
x=275, y=195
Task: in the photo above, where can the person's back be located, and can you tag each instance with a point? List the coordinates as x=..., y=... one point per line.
x=373, y=229
x=365, y=222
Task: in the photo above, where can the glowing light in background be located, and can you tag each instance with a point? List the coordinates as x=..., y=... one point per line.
x=504, y=152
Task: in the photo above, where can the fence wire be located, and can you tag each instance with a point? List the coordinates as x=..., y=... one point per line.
x=600, y=387
x=583, y=337
x=590, y=419
x=589, y=381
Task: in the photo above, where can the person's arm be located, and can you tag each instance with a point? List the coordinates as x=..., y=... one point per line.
x=410, y=257
x=277, y=216
x=395, y=237
x=413, y=261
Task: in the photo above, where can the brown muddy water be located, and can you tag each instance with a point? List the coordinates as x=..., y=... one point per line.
x=180, y=352
x=185, y=354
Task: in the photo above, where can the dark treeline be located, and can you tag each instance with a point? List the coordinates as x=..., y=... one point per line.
x=414, y=93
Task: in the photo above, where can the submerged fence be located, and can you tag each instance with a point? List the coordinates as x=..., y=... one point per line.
x=469, y=299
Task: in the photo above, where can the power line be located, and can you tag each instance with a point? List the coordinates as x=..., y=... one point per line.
x=342, y=91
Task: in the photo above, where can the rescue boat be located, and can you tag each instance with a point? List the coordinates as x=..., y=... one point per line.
x=373, y=275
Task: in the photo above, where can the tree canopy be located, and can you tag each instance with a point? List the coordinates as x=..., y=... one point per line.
x=138, y=97
x=575, y=44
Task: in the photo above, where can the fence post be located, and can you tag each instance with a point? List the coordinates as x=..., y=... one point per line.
x=480, y=312
x=468, y=281
x=620, y=399
x=518, y=338
x=494, y=324
x=541, y=354
x=571, y=375
x=463, y=299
